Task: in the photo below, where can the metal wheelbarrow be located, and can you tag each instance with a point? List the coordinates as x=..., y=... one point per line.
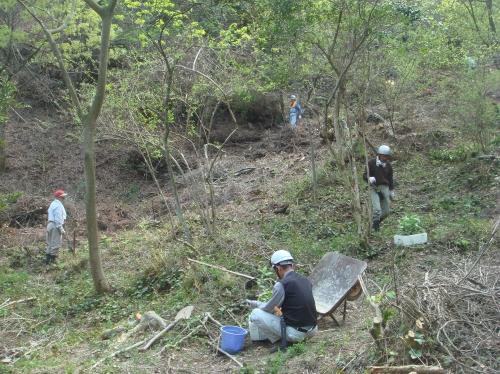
x=335, y=281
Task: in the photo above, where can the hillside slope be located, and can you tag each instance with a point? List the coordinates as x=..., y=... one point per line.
x=452, y=278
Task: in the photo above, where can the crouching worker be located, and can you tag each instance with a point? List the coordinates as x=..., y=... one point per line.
x=293, y=294
x=379, y=176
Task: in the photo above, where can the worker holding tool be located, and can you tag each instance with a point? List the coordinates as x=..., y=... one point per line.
x=293, y=294
x=379, y=176
x=295, y=110
x=55, y=229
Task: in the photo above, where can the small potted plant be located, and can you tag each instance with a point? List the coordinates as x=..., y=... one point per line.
x=410, y=231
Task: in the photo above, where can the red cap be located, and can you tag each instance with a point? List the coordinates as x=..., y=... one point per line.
x=60, y=193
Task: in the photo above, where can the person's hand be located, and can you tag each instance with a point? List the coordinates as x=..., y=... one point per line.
x=391, y=195
x=300, y=117
x=372, y=180
x=61, y=229
x=252, y=304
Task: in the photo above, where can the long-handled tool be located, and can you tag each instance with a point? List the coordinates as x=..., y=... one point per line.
x=379, y=193
x=282, y=328
x=248, y=284
x=71, y=247
x=184, y=313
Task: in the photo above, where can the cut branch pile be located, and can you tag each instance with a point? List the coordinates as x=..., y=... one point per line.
x=452, y=316
x=151, y=321
x=463, y=317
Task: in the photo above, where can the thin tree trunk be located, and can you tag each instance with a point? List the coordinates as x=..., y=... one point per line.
x=3, y=146
x=88, y=120
x=489, y=7
x=313, y=164
x=166, y=151
x=101, y=285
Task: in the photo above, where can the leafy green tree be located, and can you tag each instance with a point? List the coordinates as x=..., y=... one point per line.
x=198, y=77
x=329, y=37
x=88, y=117
x=473, y=107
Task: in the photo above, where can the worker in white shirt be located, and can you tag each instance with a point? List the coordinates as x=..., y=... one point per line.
x=55, y=229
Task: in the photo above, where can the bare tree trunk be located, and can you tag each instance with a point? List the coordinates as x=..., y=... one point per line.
x=100, y=283
x=166, y=151
x=178, y=207
x=3, y=146
x=89, y=120
x=313, y=164
x=489, y=7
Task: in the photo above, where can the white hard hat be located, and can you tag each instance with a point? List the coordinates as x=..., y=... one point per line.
x=384, y=150
x=293, y=97
x=281, y=257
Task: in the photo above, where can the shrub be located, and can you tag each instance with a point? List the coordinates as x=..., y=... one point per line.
x=410, y=224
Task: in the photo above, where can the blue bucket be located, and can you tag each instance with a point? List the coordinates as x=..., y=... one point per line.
x=232, y=339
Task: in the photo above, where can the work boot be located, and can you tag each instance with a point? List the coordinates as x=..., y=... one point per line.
x=376, y=226
x=47, y=259
x=53, y=259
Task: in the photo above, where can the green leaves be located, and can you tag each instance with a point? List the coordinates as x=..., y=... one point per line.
x=410, y=224
x=415, y=353
x=11, y=198
x=7, y=100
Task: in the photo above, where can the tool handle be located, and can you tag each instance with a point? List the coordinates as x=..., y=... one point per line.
x=278, y=311
x=221, y=268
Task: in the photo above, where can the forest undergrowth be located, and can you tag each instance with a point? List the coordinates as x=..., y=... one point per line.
x=436, y=304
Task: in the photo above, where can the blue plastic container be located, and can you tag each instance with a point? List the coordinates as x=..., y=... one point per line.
x=232, y=339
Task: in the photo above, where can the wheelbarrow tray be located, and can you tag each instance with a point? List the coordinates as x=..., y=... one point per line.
x=332, y=280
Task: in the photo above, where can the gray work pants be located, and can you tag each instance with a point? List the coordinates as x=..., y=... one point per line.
x=382, y=208
x=270, y=325
x=54, y=239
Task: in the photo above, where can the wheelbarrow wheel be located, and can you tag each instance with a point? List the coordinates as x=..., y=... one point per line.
x=355, y=292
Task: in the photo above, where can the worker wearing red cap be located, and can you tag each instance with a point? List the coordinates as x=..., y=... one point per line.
x=55, y=229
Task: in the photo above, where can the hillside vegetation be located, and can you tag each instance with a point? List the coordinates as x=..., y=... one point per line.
x=451, y=281
x=166, y=123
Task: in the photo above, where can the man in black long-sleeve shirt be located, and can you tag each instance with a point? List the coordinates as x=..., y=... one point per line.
x=379, y=176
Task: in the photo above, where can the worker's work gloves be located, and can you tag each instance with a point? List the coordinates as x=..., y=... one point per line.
x=61, y=230
x=372, y=180
x=391, y=195
x=300, y=117
x=252, y=304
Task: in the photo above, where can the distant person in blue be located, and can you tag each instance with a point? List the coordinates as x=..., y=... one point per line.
x=295, y=110
x=55, y=229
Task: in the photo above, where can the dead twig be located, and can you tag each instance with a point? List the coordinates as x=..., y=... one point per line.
x=6, y=303
x=118, y=352
x=230, y=356
x=486, y=246
x=408, y=369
